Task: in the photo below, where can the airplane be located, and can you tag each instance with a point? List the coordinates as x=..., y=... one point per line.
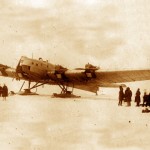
x=89, y=78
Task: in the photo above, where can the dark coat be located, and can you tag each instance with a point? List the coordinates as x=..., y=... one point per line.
x=137, y=96
x=0, y=90
x=145, y=98
x=121, y=94
x=4, y=91
x=128, y=95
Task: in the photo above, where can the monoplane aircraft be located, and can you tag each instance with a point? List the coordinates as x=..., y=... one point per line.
x=89, y=78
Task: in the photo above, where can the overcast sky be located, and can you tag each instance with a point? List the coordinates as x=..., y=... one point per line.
x=108, y=33
x=113, y=34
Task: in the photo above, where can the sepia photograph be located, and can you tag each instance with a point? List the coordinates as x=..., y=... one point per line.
x=74, y=74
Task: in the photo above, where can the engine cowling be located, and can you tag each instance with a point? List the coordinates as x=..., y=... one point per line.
x=58, y=73
x=89, y=70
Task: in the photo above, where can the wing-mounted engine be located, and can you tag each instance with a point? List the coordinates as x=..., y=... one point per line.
x=89, y=71
x=58, y=73
x=60, y=69
x=3, y=69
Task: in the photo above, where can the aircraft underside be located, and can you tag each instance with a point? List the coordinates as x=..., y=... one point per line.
x=67, y=88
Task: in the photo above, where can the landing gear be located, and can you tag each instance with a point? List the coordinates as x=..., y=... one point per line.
x=26, y=91
x=64, y=92
x=65, y=95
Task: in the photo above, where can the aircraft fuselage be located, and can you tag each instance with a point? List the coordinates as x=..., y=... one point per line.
x=33, y=69
x=37, y=70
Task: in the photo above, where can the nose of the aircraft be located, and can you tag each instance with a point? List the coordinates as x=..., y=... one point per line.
x=19, y=68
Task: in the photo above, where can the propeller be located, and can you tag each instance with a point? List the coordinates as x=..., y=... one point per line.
x=60, y=69
x=89, y=67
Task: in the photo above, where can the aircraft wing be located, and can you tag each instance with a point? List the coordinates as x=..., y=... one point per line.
x=112, y=78
x=122, y=76
x=107, y=77
x=91, y=83
x=7, y=71
x=91, y=87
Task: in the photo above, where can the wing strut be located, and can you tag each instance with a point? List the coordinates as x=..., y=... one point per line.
x=22, y=86
x=28, y=90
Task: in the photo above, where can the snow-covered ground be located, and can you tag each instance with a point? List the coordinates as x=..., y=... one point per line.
x=87, y=123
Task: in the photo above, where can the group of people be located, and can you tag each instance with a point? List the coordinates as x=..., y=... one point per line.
x=3, y=91
x=127, y=97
